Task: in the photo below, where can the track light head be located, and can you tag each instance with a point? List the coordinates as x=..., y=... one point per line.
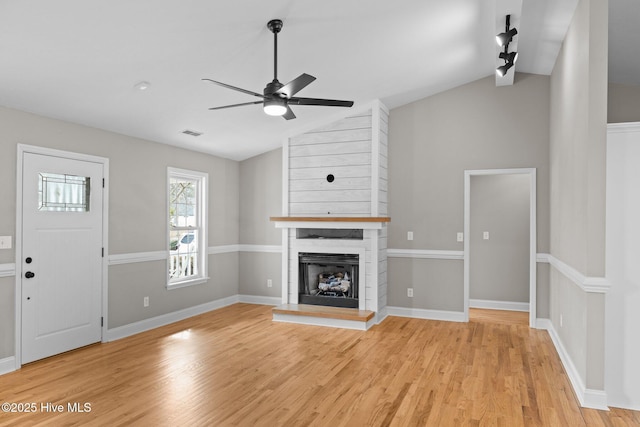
x=502, y=70
x=509, y=57
x=505, y=38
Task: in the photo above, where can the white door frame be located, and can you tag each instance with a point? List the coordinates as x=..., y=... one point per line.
x=22, y=149
x=532, y=233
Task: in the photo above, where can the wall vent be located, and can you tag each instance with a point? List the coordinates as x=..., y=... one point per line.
x=191, y=132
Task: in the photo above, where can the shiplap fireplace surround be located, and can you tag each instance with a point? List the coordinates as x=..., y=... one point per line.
x=335, y=177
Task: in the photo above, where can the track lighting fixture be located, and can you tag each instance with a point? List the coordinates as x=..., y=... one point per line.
x=503, y=40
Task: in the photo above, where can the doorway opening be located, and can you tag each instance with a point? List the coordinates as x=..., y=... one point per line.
x=469, y=174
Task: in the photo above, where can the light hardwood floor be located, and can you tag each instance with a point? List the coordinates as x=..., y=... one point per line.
x=235, y=367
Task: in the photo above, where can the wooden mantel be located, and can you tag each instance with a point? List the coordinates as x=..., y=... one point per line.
x=330, y=218
x=363, y=222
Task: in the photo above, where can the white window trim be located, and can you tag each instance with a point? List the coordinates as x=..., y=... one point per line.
x=202, y=198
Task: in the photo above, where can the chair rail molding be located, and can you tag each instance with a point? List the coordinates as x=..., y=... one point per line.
x=598, y=285
x=7, y=270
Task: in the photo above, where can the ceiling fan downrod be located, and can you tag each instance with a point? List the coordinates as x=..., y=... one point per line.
x=275, y=25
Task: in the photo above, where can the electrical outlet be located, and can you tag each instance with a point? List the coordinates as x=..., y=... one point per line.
x=485, y=235
x=145, y=302
x=410, y=292
x=409, y=235
x=460, y=237
x=269, y=283
x=5, y=242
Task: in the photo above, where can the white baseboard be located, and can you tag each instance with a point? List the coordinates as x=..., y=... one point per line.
x=543, y=324
x=499, y=305
x=8, y=364
x=254, y=299
x=588, y=398
x=382, y=314
x=321, y=321
x=166, y=319
x=421, y=313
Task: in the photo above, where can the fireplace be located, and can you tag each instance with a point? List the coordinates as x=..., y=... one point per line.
x=335, y=207
x=328, y=279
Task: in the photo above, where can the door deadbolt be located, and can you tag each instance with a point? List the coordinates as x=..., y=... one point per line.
x=28, y=260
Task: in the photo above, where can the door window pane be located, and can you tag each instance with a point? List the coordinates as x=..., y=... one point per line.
x=63, y=193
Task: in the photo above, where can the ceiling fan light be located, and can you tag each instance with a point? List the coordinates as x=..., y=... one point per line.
x=274, y=107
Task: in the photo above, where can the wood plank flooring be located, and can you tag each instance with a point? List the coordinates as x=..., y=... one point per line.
x=235, y=367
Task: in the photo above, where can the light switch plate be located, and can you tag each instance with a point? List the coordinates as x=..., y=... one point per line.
x=409, y=235
x=5, y=242
x=485, y=235
x=460, y=237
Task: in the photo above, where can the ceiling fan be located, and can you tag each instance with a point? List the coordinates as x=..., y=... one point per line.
x=277, y=97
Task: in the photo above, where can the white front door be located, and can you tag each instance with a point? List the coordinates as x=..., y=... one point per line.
x=61, y=254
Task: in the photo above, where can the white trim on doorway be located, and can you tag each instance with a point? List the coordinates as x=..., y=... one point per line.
x=532, y=233
x=21, y=150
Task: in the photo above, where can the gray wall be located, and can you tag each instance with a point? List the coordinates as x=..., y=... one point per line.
x=260, y=198
x=623, y=103
x=431, y=143
x=499, y=266
x=7, y=325
x=137, y=219
x=578, y=142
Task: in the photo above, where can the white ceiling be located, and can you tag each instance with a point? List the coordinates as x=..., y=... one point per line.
x=79, y=60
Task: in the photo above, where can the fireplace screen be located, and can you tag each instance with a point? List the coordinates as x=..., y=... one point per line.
x=328, y=279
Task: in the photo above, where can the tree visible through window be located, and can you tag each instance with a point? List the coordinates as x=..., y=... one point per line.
x=187, y=227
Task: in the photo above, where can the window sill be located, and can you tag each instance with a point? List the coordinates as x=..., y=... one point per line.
x=186, y=283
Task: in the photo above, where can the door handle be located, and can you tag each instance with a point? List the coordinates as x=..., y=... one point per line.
x=29, y=275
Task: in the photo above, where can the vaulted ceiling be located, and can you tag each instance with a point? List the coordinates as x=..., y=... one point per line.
x=80, y=60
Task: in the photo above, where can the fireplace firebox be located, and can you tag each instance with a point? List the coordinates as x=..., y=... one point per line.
x=328, y=279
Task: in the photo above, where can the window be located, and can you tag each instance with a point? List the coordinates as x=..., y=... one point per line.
x=187, y=227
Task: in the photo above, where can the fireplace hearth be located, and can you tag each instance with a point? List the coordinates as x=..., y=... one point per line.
x=328, y=279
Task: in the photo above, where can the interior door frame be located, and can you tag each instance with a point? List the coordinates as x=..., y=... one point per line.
x=532, y=233
x=21, y=150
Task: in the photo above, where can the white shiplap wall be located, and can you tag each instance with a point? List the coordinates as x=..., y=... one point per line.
x=342, y=149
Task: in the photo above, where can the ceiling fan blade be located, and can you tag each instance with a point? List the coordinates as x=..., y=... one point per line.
x=317, y=101
x=248, y=92
x=296, y=85
x=235, y=105
x=288, y=115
